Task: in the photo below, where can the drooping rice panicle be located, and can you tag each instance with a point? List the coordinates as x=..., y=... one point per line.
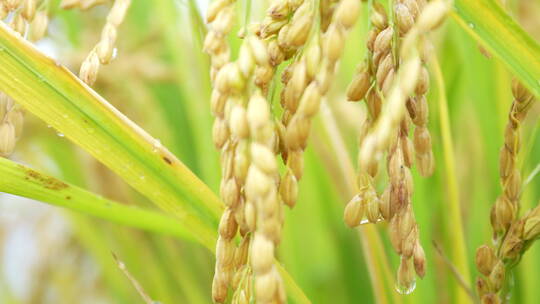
x=512, y=235
x=306, y=81
x=393, y=83
x=105, y=50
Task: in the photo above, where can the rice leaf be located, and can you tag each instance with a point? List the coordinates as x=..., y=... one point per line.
x=488, y=23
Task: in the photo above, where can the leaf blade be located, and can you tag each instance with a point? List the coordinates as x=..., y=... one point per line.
x=488, y=23
x=24, y=181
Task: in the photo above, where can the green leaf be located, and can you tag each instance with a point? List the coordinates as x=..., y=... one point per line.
x=55, y=95
x=488, y=23
x=23, y=181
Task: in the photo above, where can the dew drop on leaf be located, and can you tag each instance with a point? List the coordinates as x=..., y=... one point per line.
x=156, y=145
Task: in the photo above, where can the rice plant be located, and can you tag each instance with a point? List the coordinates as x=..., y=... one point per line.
x=277, y=151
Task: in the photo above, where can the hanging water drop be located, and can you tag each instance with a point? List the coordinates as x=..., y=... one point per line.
x=365, y=221
x=405, y=281
x=471, y=25
x=405, y=290
x=60, y=134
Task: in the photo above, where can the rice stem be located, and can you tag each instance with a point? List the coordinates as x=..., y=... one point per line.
x=454, y=223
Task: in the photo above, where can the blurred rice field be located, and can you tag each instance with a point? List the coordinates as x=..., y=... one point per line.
x=160, y=80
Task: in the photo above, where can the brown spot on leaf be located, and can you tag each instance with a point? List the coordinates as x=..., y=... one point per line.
x=167, y=160
x=47, y=181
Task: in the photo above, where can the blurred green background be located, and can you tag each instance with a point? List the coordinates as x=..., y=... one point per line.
x=160, y=80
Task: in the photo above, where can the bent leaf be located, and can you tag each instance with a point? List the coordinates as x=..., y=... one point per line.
x=488, y=23
x=58, y=97
x=23, y=181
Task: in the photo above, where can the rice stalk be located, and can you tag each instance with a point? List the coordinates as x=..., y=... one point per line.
x=512, y=235
x=454, y=222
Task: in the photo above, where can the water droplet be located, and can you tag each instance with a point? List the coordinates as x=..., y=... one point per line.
x=49, y=126
x=60, y=134
x=471, y=25
x=366, y=207
x=365, y=221
x=41, y=78
x=156, y=145
x=405, y=290
x=114, y=53
x=142, y=177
